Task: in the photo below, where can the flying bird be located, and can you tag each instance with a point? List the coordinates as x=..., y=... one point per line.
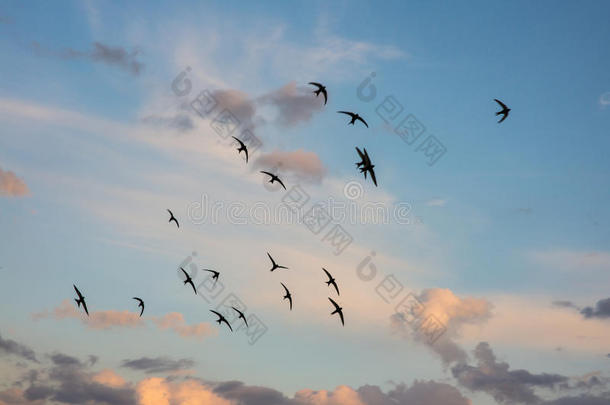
x=354, y=117
x=321, y=89
x=331, y=280
x=504, y=111
x=365, y=165
x=275, y=265
x=215, y=274
x=141, y=304
x=241, y=315
x=222, y=319
x=287, y=296
x=188, y=279
x=80, y=300
x=242, y=148
x=338, y=310
x=274, y=178
x=173, y=218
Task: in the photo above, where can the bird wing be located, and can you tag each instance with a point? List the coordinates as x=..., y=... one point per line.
x=287, y=292
x=228, y=324
x=219, y=315
x=85, y=307
x=336, y=287
x=267, y=173
x=328, y=274
x=363, y=121
x=280, y=181
x=342, y=320
x=503, y=117
x=192, y=285
x=240, y=142
x=271, y=258
x=325, y=96
x=367, y=159
x=501, y=103
x=351, y=114
x=360, y=153
x=373, y=176
x=77, y=292
x=185, y=273
x=334, y=303
x=246, y=152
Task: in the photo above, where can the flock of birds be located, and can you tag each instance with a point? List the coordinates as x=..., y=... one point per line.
x=365, y=166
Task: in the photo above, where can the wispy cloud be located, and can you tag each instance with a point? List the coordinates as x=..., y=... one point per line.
x=303, y=164
x=100, y=52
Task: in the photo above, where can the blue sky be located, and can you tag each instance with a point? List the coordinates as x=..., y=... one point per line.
x=510, y=219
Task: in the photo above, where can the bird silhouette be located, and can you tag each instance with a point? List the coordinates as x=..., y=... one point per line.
x=222, y=319
x=173, y=218
x=274, y=178
x=188, y=280
x=338, y=310
x=215, y=274
x=141, y=304
x=504, y=111
x=275, y=265
x=287, y=296
x=241, y=315
x=242, y=148
x=331, y=280
x=321, y=89
x=80, y=300
x=354, y=117
x=365, y=165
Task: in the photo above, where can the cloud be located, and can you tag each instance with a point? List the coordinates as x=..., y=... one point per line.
x=96, y=320
x=302, y=164
x=157, y=364
x=453, y=312
x=601, y=310
x=504, y=385
x=116, y=56
x=11, y=347
x=604, y=399
x=102, y=320
x=175, y=321
x=11, y=185
x=294, y=104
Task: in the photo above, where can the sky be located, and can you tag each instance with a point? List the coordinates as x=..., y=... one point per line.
x=476, y=272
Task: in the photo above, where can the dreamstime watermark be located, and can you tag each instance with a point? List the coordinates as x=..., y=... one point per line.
x=406, y=126
x=211, y=291
x=410, y=309
x=350, y=212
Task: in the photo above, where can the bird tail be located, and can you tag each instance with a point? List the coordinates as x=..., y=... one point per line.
x=77, y=302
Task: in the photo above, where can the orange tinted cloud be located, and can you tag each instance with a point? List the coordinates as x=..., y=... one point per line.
x=11, y=185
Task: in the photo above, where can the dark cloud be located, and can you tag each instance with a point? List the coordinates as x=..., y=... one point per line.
x=565, y=304
x=60, y=359
x=115, y=56
x=12, y=347
x=601, y=310
x=250, y=395
x=157, y=364
x=504, y=385
x=604, y=399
